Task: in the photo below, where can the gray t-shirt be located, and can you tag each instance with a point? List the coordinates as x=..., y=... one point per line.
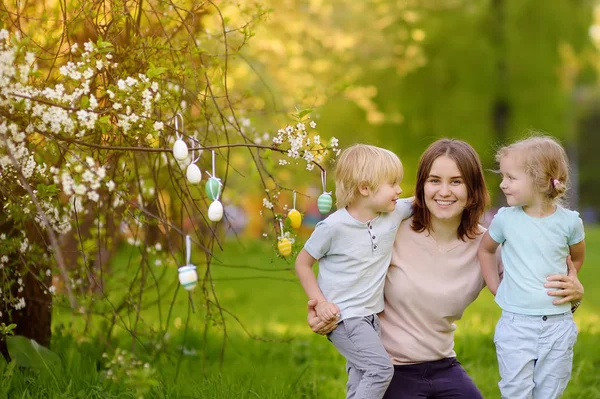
x=354, y=257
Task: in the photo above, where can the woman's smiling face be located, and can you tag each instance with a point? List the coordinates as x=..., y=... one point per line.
x=446, y=194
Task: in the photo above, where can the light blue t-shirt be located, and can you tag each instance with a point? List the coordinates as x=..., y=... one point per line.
x=354, y=258
x=532, y=249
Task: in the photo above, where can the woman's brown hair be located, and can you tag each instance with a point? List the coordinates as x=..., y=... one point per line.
x=469, y=165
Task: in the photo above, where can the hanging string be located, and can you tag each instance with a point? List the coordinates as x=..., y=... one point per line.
x=194, y=142
x=281, y=229
x=294, y=207
x=213, y=163
x=324, y=182
x=177, y=134
x=188, y=261
x=188, y=250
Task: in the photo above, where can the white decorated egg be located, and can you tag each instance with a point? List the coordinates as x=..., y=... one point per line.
x=188, y=276
x=215, y=211
x=193, y=174
x=180, y=150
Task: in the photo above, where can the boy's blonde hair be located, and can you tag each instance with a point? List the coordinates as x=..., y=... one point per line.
x=364, y=165
x=545, y=160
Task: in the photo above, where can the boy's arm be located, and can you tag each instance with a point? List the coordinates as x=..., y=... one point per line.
x=325, y=310
x=577, y=254
x=488, y=262
x=304, y=270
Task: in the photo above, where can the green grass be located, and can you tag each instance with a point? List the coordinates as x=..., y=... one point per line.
x=282, y=360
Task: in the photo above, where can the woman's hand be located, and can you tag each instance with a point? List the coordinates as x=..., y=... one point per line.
x=568, y=287
x=315, y=323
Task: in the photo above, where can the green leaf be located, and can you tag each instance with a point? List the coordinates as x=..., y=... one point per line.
x=104, y=123
x=46, y=191
x=28, y=353
x=304, y=112
x=104, y=47
x=155, y=71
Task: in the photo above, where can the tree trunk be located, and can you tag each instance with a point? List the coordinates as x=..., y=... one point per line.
x=34, y=321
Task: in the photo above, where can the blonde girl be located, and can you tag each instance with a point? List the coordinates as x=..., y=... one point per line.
x=534, y=339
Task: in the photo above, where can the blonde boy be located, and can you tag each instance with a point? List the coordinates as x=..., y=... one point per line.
x=354, y=248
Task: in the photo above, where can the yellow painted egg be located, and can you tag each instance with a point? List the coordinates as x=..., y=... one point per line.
x=295, y=218
x=285, y=246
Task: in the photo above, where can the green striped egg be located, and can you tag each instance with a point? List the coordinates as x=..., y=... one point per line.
x=324, y=203
x=213, y=187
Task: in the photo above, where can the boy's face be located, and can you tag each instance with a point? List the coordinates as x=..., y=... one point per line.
x=384, y=198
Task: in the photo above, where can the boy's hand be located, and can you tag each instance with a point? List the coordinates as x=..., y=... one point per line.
x=327, y=311
x=315, y=323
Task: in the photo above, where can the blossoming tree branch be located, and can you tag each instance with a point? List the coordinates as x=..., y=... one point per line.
x=93, y=148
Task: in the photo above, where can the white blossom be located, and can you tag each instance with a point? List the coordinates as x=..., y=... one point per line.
x=267, y=204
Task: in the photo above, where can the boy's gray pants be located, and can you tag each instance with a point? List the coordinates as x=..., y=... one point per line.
x=369, y=367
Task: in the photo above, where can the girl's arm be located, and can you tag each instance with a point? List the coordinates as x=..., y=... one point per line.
x=488, y=262
x=577, y=254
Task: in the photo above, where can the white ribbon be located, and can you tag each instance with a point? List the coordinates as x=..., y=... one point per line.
x=194, y=142
x=188, y=250
x=179, y=136
x=324, y=182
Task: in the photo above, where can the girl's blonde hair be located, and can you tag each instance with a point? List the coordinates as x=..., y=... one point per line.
x=364, y=165
x=545, y=161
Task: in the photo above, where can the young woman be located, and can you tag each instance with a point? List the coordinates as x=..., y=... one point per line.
x=435, y=274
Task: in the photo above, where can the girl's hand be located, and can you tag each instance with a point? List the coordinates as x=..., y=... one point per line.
x=569, y=286
x=316, y=324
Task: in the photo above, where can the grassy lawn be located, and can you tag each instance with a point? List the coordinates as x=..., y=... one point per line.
x=269, y=350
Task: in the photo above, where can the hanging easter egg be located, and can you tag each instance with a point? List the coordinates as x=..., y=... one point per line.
x=188, y=276
x=193, y=174
x=213, y=187
x=285, y=246
x=180, y=150
x=295, y=218
x=324, y=203
x=215, y=211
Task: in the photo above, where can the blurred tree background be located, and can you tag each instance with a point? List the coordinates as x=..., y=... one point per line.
x=488, y=72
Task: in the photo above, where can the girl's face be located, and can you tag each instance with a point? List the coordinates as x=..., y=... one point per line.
x=446, y=193
x=516, y=183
